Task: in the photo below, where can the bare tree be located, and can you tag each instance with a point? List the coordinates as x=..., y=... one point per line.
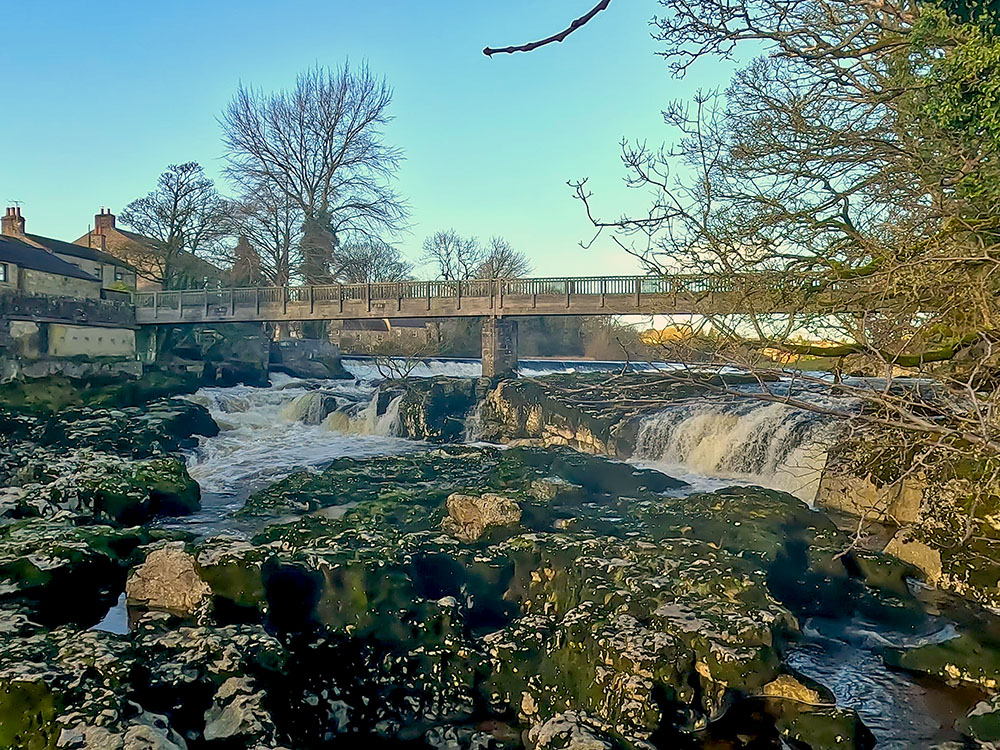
x=186, y=217
x=502, y=261
x=455, y=258
x=272, y=224
x=320, y=145
x=558, y=37
x=370, y=262
x=844, y=193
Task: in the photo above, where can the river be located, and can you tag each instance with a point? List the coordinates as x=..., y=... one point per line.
x=269, y=433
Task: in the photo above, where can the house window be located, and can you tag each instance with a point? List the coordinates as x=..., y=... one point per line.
x=3, y=273
x=119, y=273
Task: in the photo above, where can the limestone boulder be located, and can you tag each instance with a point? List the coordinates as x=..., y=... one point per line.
x=469, y=516
x=168, y=580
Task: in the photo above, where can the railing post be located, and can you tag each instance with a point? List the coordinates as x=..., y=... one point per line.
x=501, y=284
x=428, y=296
x=256, y=299
x=638, y=290
x=459, y=295
x=368, y=296
x=232, y=303
x=399, y=296
x=156, y=304
x=569, y=285
x=340, y=289
x=312, y=300
x=206, y=303
x=604, y=290
x=284, y=300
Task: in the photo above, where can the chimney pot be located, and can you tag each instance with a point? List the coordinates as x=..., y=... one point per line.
x=104, y=221
x=12, y=224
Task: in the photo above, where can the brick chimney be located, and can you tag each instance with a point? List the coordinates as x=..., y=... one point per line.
x=12, y=223
x=104, y=221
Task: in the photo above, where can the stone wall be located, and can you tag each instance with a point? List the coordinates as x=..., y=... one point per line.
x=38, y=282
x=92, y=341
x=12, y=275
x=67, y=309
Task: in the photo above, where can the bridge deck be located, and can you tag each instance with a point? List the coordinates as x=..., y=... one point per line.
x=601, y=295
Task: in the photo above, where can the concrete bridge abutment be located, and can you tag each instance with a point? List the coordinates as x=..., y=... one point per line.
x=499, y=348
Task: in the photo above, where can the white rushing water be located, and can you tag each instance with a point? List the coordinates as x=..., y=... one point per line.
x=711, y=443
x=269, y=433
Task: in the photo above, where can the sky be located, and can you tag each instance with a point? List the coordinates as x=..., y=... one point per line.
x=101, y=97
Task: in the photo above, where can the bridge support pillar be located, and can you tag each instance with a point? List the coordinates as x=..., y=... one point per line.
x=499, y=348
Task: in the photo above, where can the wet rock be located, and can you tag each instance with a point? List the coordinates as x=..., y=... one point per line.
x=152, y=732
x=815, y=728
x=592, y=413
x=168, y=580
x=237, y=711
x=964, y=659
x=233, y=570
x=554, y=488
x=983, y=721
x=65, y=573
x=312, y=408
x=435, y=409
x=786, y=686
x=569, y=731
x=922, y=556
x=469, y=516
x=101, y=487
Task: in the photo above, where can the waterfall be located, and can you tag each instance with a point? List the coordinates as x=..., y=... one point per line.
x=267, y=433
x=311, y=408
x=750, y=441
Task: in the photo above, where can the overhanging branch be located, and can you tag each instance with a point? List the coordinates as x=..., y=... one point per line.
x=579, y=22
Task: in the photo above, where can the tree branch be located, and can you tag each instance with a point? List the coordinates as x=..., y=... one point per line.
x=579, y=22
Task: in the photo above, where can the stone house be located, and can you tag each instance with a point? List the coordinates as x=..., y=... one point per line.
x=146, y=256
x=363, y=335
x=31, y=270
x=117, y=278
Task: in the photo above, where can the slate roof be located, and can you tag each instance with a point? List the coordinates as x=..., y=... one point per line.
x=77, y=251
x=365, y=325
x=28, y=256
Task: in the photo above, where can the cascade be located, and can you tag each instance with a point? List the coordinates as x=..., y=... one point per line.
x=751, y=441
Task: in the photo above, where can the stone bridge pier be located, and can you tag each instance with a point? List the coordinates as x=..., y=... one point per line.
x=499, y=348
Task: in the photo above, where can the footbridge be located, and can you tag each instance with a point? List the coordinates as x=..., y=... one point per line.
x=499, y=301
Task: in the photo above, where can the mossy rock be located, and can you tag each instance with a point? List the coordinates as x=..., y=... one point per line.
x=964, y=659
x=138, y=492
x=27, y=716
x=435, y=409
x=65, y=573
x=983, y=721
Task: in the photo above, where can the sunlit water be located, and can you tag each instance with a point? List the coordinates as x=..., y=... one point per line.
x=738, y=441
x=269, y=433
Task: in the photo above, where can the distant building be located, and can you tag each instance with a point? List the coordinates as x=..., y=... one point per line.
x=146, y=255
x=31, y=270
x=359, y=335
x=113, y=274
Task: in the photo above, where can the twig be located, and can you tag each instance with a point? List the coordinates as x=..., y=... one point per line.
x=579, y=22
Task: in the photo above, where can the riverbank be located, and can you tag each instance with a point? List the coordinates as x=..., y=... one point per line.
x=447, y=595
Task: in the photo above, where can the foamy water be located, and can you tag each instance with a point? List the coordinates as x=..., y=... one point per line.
x=737, y=441
x=263, y=437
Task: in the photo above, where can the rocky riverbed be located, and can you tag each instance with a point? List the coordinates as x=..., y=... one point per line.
x=452, y=596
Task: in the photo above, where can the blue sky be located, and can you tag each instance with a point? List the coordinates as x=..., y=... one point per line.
x=100, y=97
